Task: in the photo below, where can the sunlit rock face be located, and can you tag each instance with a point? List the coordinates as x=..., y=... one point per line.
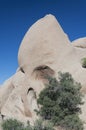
x=45, y=50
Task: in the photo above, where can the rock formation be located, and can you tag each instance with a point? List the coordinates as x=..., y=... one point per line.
x=45, y=50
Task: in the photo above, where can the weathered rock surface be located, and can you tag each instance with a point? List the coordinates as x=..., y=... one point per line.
x=45, y=49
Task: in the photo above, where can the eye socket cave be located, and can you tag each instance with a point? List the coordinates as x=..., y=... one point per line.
x=30, y=89
x=41, y=72
x=32, y=92
x=22, y=70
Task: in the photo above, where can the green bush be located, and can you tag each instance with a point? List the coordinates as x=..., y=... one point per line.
x=72, y=122
x=12, y=124
x=83, y=62
x=61, y=100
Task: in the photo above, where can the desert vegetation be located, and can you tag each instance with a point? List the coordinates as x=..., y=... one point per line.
x=83, y=62
x=60, y=101
x=12, y=124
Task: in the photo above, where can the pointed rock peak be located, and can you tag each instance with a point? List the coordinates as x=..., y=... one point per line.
x=47, y=24
x=45, y=36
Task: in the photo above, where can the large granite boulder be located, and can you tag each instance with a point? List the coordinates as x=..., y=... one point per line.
x=45, y=50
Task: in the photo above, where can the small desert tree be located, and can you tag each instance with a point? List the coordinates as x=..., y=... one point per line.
x=60, y=101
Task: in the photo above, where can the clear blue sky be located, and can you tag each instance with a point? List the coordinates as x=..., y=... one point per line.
x=16, y=16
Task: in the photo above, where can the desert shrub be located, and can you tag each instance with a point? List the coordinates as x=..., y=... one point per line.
x=83, y=62
x=72, y=122
x=60, y=101
x=41, y=125
x=12, y=124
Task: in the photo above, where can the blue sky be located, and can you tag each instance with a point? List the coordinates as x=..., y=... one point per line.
x=16, y=16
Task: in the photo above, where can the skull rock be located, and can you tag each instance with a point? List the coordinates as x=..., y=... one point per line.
x=45, y=50
x=42, y=46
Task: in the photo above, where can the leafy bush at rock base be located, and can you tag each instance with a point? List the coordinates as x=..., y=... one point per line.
x=12, y=124
x=60, y=102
